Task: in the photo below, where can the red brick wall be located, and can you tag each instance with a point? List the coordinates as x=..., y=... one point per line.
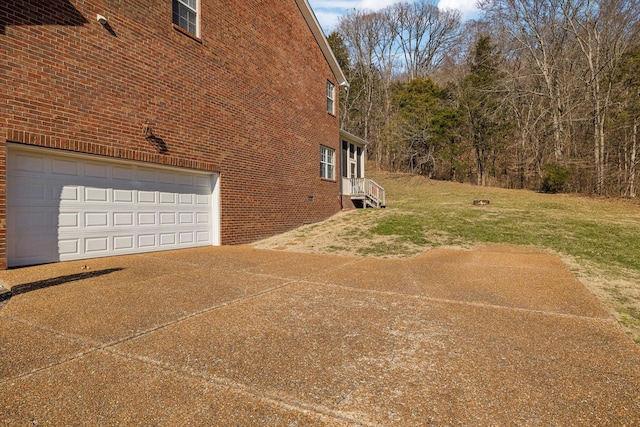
x=247, y=99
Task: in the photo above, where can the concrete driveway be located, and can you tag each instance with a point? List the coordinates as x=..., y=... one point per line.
x=241, y=336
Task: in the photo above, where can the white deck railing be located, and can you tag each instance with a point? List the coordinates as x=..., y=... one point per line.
x=373, y=193
x=355, y=186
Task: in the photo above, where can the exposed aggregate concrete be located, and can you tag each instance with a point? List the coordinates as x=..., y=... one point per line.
x=241, y=336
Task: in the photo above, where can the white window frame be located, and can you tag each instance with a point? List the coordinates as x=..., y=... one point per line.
x=185, y=4
x=327, y=163
x=331, y=98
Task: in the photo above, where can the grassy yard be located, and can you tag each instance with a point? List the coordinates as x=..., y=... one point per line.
x=602, y=234
x=598, y=239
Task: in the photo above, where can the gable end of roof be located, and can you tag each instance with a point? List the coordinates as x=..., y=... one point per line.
x=315, y=28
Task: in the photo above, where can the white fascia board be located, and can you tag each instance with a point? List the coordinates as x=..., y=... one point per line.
x=352, y=138
x=315, y=28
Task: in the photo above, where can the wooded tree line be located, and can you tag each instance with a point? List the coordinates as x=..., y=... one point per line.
x=538, y=94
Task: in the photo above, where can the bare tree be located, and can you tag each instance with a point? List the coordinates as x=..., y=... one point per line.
x=424, y=33
x=400, y=40
x=603, y=31
x=536, y=30
x=527, y=115
x=369, y=40
x=625, y=116
x=559, y=101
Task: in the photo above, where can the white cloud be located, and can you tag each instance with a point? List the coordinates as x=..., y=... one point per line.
x=327, y=19
x=468, y=8
x=329, y=11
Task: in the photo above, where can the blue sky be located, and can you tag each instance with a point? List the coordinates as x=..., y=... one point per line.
x=328, y=11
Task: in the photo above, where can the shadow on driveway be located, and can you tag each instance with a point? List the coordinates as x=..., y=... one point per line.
x=6, y=294
x=41, y=284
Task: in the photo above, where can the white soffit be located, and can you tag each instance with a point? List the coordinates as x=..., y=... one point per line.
x=352, y=138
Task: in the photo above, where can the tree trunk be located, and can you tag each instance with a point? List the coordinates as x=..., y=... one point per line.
x=632, y=165
x=558, y=127
x=597, y=152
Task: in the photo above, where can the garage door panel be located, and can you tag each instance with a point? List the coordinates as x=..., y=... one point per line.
x=68, y=220
x=69, y=248
x=92, y=194
x=30, y=192
x=185, y=218
x=146, y=197
x=22, y=250
x=147, y=240
x=68, y=193
x=166, y=178
x=202, y=218
x=186, y=199
x=167, y=198
x=34, y=165
x=167, y=218
x=121, y=173
x=186, y=237
x=34, y=222
x=63, y=208
x=146, y=218
x=202, y=182
x=96, y=219
x=96, y=170
x=168, y=239
x=123, y=219
x=96, y=245
x=203, y=236
x=185, y=181
x=123, y=196
x=146, y=175
x=123, y=243
x=64, y=167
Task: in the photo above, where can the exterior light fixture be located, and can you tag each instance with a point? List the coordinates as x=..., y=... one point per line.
x=148, y=128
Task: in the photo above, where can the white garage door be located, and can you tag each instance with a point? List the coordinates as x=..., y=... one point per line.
x=64, y=207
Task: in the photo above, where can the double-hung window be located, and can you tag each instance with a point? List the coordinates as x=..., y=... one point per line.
x=185, y=15
x=327, y=163
x=331, y=96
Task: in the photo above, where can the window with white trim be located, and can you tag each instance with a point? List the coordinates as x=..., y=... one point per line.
x=327, y=162
x=185, y=15
x=331, y=96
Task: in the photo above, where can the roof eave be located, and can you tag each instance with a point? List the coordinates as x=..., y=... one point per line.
x=315, y=28
x=352, y=138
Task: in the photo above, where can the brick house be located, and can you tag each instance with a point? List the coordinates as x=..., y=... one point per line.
x=148, y=125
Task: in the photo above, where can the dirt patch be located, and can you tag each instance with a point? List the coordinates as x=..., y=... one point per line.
x=320, y=238
x=347, y=233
